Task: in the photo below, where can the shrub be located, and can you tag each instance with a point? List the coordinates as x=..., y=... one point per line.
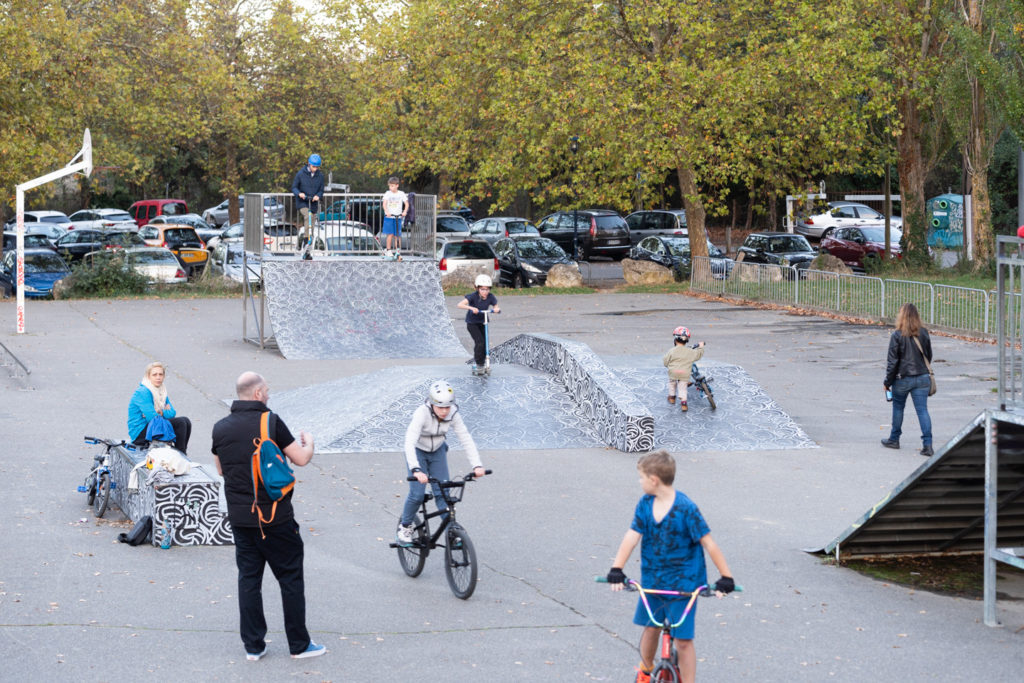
x=104, y=277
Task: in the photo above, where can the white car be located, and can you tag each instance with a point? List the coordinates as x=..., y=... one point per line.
x=229, y=235
x=53, y=224
x=844, y=215
x=455, y=254
x=346, y=236
x=158, y=264
x=227, y=259
x=103, y=219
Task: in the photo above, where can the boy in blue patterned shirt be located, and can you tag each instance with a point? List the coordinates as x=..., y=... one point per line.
x=675, y=538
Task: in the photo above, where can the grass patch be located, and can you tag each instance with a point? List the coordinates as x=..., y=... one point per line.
x=669, y=288
x=959, y=575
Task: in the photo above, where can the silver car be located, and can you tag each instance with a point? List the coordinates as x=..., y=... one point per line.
x=273, y=210
x=103, y=219
x=843, y=215
x=495, y=228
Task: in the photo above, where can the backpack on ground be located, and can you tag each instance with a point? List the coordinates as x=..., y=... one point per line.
x=270, y=470
x=139, y=533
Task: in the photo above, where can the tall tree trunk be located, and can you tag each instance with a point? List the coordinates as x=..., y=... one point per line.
x=979, y=155
x=695, y=214
x=912, y=173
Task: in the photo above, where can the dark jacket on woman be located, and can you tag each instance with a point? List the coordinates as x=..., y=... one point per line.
x=904, y=358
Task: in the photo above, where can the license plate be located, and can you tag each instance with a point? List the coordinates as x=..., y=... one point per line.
x=614, y=241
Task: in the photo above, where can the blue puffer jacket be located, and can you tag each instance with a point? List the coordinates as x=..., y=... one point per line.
x=310, y=184
x=141, y=411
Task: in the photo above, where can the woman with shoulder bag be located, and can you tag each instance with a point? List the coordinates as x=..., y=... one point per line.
x=909, y=372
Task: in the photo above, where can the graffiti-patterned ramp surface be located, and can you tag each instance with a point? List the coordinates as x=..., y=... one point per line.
x=358, y=307
x=518, y=408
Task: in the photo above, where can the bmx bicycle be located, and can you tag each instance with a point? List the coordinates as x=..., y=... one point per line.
x=460, y=564
x=703, y=383
x=99, y=483
x=666, y=668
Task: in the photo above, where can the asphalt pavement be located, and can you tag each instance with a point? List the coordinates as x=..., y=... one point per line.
x=77, y=606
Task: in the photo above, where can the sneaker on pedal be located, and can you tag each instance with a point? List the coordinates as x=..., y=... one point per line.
x=404, y=535
x=684, y=407
x=642, y=676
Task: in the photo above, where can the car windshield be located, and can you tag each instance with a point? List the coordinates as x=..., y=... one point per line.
x=152, y=258
x=125, y=239
x=452, y=224
x=469, y=250
x=518, y=227
x=610, y=222
x=789, y=243
x=119, y=216
x=36, y=241
x=44, y=263
x=539, y=249
x=181, y=236
x=54, y=219
x=878, y=234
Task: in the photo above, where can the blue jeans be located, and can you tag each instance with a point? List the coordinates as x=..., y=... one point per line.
x=434, y=464
x=917, y=387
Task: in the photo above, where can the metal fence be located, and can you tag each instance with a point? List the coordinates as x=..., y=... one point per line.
x=959, y=308
x=343, y=224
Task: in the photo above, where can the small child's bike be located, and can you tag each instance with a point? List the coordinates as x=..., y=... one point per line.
x=666, y=669
x=460, y=565
x=99, y=483
x=702, y=383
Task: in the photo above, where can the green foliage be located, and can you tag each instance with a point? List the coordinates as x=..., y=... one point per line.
x=105, y=277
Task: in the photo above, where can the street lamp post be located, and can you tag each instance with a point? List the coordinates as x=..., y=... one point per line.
x=574, y=147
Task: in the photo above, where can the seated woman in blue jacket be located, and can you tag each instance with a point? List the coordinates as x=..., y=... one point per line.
x=150, y=400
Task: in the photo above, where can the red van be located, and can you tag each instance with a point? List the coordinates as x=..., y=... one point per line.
x=148, y=209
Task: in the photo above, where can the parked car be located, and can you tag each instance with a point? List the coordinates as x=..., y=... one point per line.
x=656, y=222
x=346, y=236
x=456, y=254
x=524, y=260
x=217, y=216
x=102, y=219
x=77, y=243
x=365, y=210
x=42, y=269
x=335, y=211
x=462, y=211
x=843, y=215
x=599, y=232
x=853, y=245
x=497, y=227
x=42, y=222
x=452, y=227
x=182, y=241
x=673, y=252
x=32, y=241
x=147, y=209
x=192, y=220
x=778, y=248
x=158, y=264
x=232, y=233
x=227, y=259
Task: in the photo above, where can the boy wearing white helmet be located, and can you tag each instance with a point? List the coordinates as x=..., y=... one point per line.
x=474, y=303
x=426, y=452
x=679, y=360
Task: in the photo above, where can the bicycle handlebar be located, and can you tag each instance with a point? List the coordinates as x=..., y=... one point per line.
x=432, y=480
x=94, y=440
x=703, y=591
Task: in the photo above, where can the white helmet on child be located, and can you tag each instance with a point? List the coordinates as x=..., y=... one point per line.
x=441, y=394
x=483, y=280
x=682, y=334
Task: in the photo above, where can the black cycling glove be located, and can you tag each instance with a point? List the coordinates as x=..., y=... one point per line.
x=725, y=585
x=615, y=575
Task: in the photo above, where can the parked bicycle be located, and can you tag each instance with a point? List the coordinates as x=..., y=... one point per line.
x=703, y=384
x=666, y=669
x=460, y=564
x=99, y=483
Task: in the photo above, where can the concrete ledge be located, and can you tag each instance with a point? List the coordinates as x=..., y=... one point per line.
x=611, y=407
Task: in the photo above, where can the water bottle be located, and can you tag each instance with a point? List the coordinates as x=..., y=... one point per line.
x=165, y=537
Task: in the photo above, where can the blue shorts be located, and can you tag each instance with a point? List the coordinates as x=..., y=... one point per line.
x=674, y=607
x=391, y=225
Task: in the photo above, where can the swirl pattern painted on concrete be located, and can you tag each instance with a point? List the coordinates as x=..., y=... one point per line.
x=352, y=307
x=610, y=407
x=189, y=506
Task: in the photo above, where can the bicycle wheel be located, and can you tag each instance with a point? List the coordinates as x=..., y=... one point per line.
x=707, y=393
x=90, y=489
x=664, y=673
x=414, y=557
x=460, y=563
x=102, y=493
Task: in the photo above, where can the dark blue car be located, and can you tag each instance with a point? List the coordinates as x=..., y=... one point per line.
x=42, y=268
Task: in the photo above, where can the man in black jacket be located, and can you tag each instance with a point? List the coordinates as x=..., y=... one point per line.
x=276, y=542
x=308, y=188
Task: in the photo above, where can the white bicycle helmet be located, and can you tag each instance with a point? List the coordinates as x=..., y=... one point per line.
x=483, y=280
x=682, y=334
x=441, y=394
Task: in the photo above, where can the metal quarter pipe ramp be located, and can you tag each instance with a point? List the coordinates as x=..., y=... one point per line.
x=351, y=307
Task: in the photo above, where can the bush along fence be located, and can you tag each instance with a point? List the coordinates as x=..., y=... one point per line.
x=957, y=308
